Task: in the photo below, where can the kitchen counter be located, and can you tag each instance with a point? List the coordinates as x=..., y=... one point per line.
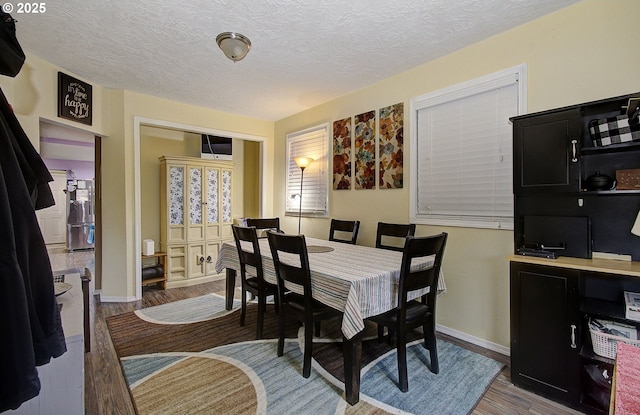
x=70, y=261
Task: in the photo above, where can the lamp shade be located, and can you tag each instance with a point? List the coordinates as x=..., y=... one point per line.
x=636, y=226
x=234, y=45
x=303, y=162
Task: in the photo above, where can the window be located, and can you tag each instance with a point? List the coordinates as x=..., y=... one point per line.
x=461, y=152
x=312, y=142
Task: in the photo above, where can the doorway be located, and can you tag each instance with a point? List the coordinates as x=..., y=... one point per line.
x=168, y=130
x=70, y=154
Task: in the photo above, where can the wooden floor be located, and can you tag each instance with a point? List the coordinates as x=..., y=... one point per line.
x=106, y=391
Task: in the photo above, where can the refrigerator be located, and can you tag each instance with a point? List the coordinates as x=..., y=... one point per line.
x=80, y=215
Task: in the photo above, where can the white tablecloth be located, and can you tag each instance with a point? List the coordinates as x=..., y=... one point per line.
x=358, y=280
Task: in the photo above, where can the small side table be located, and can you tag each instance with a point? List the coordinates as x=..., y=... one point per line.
x=155, y=260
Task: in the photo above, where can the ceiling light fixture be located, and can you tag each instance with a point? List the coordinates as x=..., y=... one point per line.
x=234, y=45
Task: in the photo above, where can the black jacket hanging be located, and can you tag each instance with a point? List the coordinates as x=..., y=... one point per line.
x=11, y=54
x=33, y=170
x=31, y=319
x=29, y=316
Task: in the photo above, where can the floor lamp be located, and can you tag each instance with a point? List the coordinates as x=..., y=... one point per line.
x=302, y=162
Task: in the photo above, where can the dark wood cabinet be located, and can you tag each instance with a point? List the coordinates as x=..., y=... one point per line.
x=546, y=152
x=552, y=300
x=545, y=330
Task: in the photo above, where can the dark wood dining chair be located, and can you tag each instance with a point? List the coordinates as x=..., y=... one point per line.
x=263, y=224
x=303, y=307
x=341, y=228
x=419, y=312
x=393, y=230
x=256, y=285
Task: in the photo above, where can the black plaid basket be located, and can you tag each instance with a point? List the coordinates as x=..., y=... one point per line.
x=615, y=130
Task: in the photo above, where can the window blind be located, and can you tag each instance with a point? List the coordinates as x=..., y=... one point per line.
x=309, y=143
x=464, y=155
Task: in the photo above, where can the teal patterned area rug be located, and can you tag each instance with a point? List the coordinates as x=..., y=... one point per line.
x=192, y=357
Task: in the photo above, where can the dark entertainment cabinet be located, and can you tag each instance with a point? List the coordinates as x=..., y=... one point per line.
x=553, y=299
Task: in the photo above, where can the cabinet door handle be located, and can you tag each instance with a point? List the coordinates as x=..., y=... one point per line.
x=574, y=151
x=209, y=259
x=573, y=336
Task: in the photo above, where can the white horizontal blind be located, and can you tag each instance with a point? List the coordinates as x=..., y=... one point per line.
x=308, y=143
x=464, y=155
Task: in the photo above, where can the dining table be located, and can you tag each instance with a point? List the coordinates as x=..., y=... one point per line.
x=360, y=281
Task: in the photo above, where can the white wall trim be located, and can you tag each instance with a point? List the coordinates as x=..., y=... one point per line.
x=137, y=220
x=474, y=340
x=117, y=299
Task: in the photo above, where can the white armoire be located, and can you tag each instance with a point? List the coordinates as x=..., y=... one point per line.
x=195, y=217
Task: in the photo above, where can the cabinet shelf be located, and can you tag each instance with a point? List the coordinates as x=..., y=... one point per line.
x=152, y=280
x=157, y=259
x=614, y=148
x=604, y=308
x=610, y=192
x=586, y=352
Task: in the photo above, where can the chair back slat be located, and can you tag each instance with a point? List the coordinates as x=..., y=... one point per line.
x=341, y=227
x=393, y=230
x=264, y=224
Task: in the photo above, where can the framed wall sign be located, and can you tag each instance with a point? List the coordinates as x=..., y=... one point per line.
x=74, y=99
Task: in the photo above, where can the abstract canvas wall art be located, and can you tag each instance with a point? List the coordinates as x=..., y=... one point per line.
x=365, y=150
x=390, y=147
x=342, y=154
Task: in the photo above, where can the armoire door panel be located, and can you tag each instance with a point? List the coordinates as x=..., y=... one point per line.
x=196, y=260
x=196, y=233
x=177, y=234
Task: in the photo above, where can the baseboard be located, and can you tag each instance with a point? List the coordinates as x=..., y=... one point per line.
x=195, y=281
x=474, y=340
x=104, y=299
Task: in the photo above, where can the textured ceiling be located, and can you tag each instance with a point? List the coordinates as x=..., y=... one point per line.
x=304, y=53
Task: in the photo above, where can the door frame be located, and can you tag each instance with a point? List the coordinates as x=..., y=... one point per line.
x=138, y=122
x=96, y=275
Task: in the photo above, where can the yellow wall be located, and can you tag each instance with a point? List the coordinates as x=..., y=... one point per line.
x=251, y=202
x=585, y=52
x=33, y=94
